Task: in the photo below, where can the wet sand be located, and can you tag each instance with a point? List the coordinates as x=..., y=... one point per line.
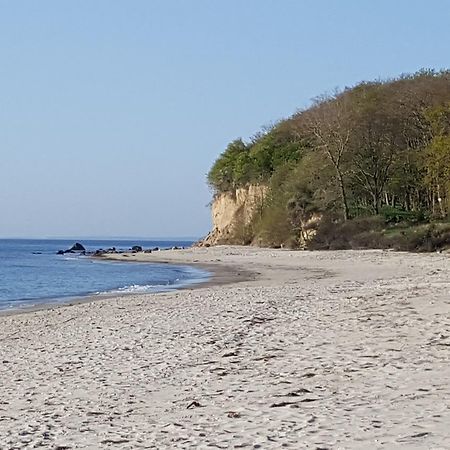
x=346, y=349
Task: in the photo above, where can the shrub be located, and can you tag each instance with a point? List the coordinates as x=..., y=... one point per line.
x=395, y=215
x=358, y=233
x=428, y=238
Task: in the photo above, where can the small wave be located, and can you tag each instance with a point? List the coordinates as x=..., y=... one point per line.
x=136, y=288
x=133, y=289
x=146, y=288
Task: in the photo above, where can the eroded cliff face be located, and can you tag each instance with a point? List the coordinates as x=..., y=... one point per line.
x=232, y=213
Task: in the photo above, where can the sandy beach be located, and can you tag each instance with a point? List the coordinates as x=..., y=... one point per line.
x=345, y=349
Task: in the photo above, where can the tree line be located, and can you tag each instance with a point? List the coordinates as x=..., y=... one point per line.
x=378, y=148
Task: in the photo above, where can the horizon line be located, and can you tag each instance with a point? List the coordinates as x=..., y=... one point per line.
x=105, y=238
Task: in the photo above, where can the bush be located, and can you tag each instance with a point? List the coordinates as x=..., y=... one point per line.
x=395, y=215
x=428, y=238
x=358, y=233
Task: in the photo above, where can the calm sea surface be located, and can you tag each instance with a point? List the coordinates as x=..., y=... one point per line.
x=31, y=273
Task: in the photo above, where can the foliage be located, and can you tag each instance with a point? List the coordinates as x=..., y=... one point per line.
x=255, y=162
x=372, y=232
x=225, y=171
x=379, y=151
x=437, y=158
x=395, y=215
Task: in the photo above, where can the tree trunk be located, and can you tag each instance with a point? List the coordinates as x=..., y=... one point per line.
x=376, y=203
x=343, y=194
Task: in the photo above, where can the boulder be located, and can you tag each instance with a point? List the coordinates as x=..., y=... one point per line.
x=136, y=248
x=77, y=247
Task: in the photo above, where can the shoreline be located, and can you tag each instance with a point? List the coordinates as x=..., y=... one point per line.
x=342, y=349
x=219, y=274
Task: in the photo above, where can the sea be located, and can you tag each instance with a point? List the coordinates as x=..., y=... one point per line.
x=32, y=274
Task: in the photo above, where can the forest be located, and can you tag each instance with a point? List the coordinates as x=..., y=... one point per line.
x=371, y=161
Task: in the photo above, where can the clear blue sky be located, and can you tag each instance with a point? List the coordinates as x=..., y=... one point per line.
x=112, y=112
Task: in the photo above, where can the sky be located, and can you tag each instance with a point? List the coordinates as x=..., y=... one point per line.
x=112, y=112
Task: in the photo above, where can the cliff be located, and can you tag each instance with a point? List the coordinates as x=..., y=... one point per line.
x=233, y=214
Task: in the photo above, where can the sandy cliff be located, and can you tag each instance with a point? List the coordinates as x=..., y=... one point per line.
x=234, y=215
x=232, y=212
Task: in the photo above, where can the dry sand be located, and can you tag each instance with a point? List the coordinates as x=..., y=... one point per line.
x=304, y=350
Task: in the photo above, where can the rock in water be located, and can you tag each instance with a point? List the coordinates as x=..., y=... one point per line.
x=136, y=248
x=77, y=247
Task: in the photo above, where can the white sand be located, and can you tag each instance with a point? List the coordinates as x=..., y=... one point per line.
x=321, y=350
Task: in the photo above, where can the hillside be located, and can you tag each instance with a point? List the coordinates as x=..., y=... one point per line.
x=365, y=167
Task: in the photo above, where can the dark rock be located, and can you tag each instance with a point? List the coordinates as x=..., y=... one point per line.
x=147, y=251
x=109, y=250
x=77, y=247
x=136, y=248
x=156, y=249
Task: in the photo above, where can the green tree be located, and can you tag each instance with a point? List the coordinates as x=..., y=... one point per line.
x=222, y=176
x=437, y=159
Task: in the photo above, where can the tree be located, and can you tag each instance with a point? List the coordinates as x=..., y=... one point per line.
x=330, y=125
x=221, y=177
x=437, y=158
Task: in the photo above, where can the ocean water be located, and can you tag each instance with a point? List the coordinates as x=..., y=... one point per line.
x=31, y=273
